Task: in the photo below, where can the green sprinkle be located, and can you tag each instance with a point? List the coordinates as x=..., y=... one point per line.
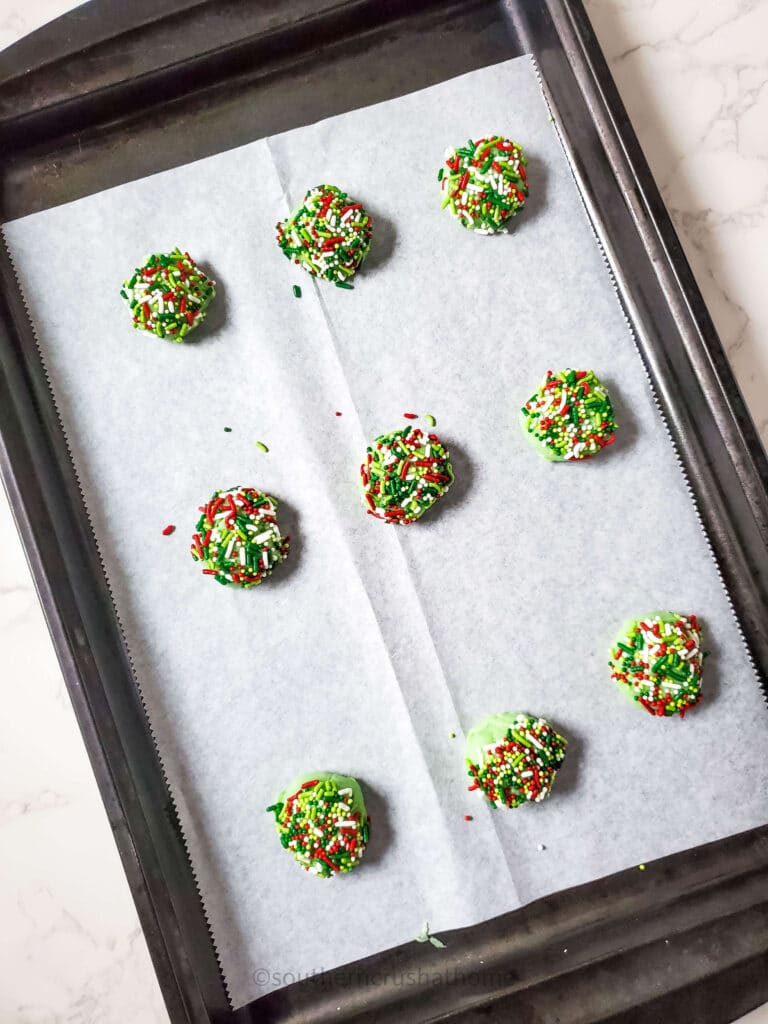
x=297, y=291
x=261, y=446
x=431, y=420
x=227, y=430
x=344, y=284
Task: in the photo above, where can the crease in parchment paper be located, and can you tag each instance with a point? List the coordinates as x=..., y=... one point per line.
x=393, y=538
x=372, y=643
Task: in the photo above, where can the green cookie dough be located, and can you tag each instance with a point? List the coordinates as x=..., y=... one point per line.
x=658, y=661
x=513, y=758
x=570, y=417
x=169, y=295
x=329, y=235
x=321, y=819
x=404, y=474
x=484, y=183
x=237, y=537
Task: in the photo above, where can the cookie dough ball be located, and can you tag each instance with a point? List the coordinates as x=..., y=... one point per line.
x=329, y=235
x=658, y=660
x=570, y=417
x=321, y=819
x=237, y=537
x=169, y=295
x=513, y=757
x=404, y=474
x=484, y=183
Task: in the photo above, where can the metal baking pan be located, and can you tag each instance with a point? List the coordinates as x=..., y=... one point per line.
x=112, y=92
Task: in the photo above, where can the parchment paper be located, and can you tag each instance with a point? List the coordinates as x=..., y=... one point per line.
x=374, y=643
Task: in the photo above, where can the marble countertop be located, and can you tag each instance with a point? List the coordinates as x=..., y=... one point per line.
x=694, y=77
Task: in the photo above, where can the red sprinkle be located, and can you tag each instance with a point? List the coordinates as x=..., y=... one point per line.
x=338, y=414
x=410, y=415
x=168, y=530
x=467, y=817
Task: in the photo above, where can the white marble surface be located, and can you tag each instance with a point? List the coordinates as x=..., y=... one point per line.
x=694, y=77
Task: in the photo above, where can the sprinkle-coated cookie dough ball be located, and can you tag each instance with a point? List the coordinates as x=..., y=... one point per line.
x=329, y=235
x=570, y=417
x=321, y=820
x=237, y=537
x=513, y=758
x=658, y=660
x=484, y=183
x=169, y=295
x=404, y=474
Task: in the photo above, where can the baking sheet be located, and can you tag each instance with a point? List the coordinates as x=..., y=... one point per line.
x=373, y=644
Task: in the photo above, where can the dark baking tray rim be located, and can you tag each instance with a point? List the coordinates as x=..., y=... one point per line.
x=685, y=939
